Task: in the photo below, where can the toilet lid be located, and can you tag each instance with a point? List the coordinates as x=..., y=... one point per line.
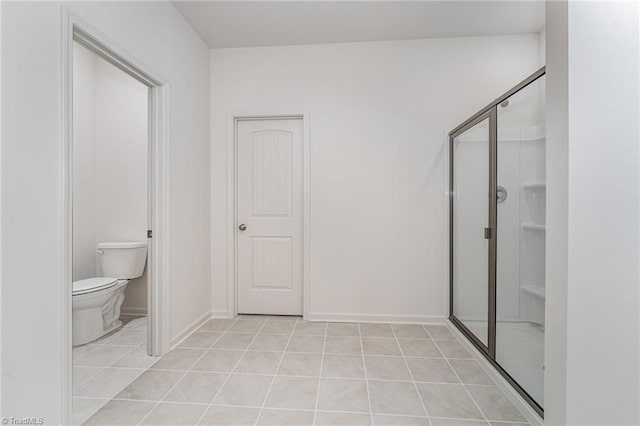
x=92, y=284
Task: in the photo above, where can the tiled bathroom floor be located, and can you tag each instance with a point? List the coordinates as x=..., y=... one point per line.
x=103, y=368
x=279, y=370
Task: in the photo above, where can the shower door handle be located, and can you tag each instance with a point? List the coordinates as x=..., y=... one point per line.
x=488, y=234
x=501, y=194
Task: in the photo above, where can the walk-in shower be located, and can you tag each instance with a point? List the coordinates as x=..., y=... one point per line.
x=497, y=234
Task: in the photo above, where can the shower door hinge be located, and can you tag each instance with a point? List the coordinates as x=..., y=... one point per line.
x=488, y=234
x=149, y=233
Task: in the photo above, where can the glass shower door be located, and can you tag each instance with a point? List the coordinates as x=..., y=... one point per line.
x=470, y=203
x=497, y=234
x=520, y=287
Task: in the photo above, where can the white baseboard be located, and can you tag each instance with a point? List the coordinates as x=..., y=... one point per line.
x=513, y=395
x=220, y=313
x=189, y=330
x=133, y=311
x=376, y=318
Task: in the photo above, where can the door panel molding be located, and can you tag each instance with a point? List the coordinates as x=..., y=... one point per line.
x=232, y=204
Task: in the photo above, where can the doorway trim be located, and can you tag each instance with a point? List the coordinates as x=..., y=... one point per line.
x=75, y=29
x=232, y=207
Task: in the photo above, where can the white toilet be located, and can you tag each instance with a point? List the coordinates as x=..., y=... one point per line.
x=97, y=301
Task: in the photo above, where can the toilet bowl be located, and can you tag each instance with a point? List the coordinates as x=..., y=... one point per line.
x=96, y=308
x=97, y=301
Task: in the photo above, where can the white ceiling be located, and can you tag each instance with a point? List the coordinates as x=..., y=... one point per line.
x=278, y=23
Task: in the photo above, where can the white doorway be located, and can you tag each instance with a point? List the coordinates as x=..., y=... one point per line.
x=158, y=200
x=157, y=174
x=270, y=215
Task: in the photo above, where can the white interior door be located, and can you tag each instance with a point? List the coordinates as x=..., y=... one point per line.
x=269, y=197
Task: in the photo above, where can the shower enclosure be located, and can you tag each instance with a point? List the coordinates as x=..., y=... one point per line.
x=497, y=234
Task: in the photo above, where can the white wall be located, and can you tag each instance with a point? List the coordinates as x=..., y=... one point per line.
x=158, y=36
x=379, y=113
x=593, y=324
x=110, y=166
x=543, y=46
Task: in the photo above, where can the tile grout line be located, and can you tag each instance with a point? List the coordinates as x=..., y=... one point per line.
x=74, y=386
x=183, y=376
x=353, y=379
x=120, y=333
x=366, y=375
x=324, y=345
x=273, y=379
x=103, y=340
x=308, y=410
x=204, y=413
x=356, y=379
x=413, y=380
x=458, y=377
x=83, y=355
x=328, y=353
x=98, y=346
x=311, y=335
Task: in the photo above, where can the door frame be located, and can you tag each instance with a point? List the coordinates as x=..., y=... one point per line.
x=491, y=116
x=75, y=29
x=232, y=206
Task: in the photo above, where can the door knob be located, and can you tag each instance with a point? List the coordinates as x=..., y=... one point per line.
x=242, y=227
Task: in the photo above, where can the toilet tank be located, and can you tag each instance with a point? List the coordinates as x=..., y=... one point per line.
x=122, y=260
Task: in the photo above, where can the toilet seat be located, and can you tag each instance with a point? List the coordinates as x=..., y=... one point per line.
x=90, y=285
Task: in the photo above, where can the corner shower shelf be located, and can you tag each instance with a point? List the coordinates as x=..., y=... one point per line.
x=534, y=226
x=535, y=186
x=534, y=291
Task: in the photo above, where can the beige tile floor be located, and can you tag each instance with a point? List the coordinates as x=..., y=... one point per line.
x=103, y=368
x=281, y=370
